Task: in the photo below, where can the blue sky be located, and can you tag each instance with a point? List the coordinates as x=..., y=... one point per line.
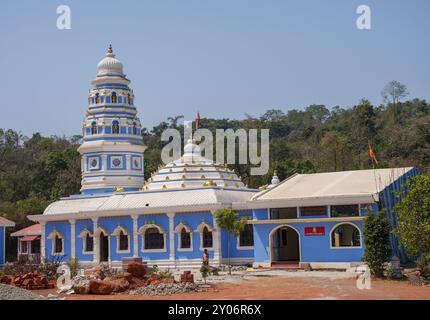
x=222, y=58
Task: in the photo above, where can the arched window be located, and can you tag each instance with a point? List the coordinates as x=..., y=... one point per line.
x=207, y=238
x=345, y=235
x=154, y=239
x=113, y=97
x=89, y=243
x=58, y=244
x=94, y=128
x=123, y=241
x=134, y=128
x=97, y=98
x=129, y=99
x=246, y=236
x=185, y=242
x=115, y=127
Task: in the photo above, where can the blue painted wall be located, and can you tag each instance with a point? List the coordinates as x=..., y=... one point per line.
x=312, y=248
x=192, y=220
x=64, y=228
x=163, y=221
x=110, y=224
x=80, y=226
x=2, y=246
x=234, y=252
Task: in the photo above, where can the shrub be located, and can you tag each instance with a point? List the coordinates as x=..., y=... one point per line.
x=154, y=269
x=205, y=270
x=377, y=242
x=413, y=220
x=74, y=266
x=165, y=274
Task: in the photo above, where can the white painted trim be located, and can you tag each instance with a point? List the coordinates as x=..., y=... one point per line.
x=142, y=231
x=199, y=229
x=51, y=237
x=238, y=261
x=178, y=231
x=135, y=236
x=239, y=247
x=72, y=223
x=270, y=240
x=351, y=247
x=83, y=235
x=116, y=233
x=97, y=234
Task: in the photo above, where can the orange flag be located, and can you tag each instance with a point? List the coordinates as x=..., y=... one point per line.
x=198, y=121
x=372, y=154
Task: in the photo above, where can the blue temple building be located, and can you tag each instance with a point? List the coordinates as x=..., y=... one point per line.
x=4, y=223
x=168, y=220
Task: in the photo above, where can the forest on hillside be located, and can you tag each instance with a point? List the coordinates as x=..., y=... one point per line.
x=36, y=170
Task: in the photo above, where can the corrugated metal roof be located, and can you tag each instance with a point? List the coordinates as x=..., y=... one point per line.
x=33, y=230
x=6, y=223
x=346, y=184
x=181, y=200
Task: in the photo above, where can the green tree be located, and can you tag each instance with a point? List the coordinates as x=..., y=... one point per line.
x=377, y=242
x=228, y=219
x=413, y=221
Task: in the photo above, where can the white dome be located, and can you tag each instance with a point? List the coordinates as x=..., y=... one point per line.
x=193, y=171
x=109, y=65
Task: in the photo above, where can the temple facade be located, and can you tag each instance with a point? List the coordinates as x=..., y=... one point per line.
x=169, y=220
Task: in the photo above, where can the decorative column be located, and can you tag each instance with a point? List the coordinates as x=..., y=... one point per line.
x=135, y=236
x=217, y=240
x=43, y=242
x=95, y=241
x=72, y=238
x=171, y=216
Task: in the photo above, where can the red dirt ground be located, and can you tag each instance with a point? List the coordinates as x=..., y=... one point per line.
x=285, y=288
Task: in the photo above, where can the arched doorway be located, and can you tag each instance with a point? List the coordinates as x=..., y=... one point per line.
x=284, y=245
x=104, y=247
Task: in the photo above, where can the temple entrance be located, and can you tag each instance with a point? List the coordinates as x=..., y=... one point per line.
x=285, y=245
x=104, y=247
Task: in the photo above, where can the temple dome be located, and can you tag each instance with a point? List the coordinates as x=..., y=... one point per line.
x=192, y=171
x=109, y=65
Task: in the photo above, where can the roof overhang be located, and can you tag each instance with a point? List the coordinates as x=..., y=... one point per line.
x=137, y=211
x=313, y=201
x=6, y=222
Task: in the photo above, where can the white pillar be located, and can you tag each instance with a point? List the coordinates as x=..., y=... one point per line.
x=95, y=241
x=43, y=242
x=217, y=241
x=171, y=216
x=72, y=238
x=135, y=236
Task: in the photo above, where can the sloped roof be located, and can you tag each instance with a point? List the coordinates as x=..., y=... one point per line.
x=6, y=223
x=343, y=186
x=33, y=230
x=180, y=200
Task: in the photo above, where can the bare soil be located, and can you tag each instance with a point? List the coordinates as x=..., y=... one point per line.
x=284, y=288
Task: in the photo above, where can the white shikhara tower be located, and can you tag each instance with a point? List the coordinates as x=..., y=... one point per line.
x=112, y=148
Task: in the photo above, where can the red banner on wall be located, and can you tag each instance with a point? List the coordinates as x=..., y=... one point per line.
x=314, y=231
